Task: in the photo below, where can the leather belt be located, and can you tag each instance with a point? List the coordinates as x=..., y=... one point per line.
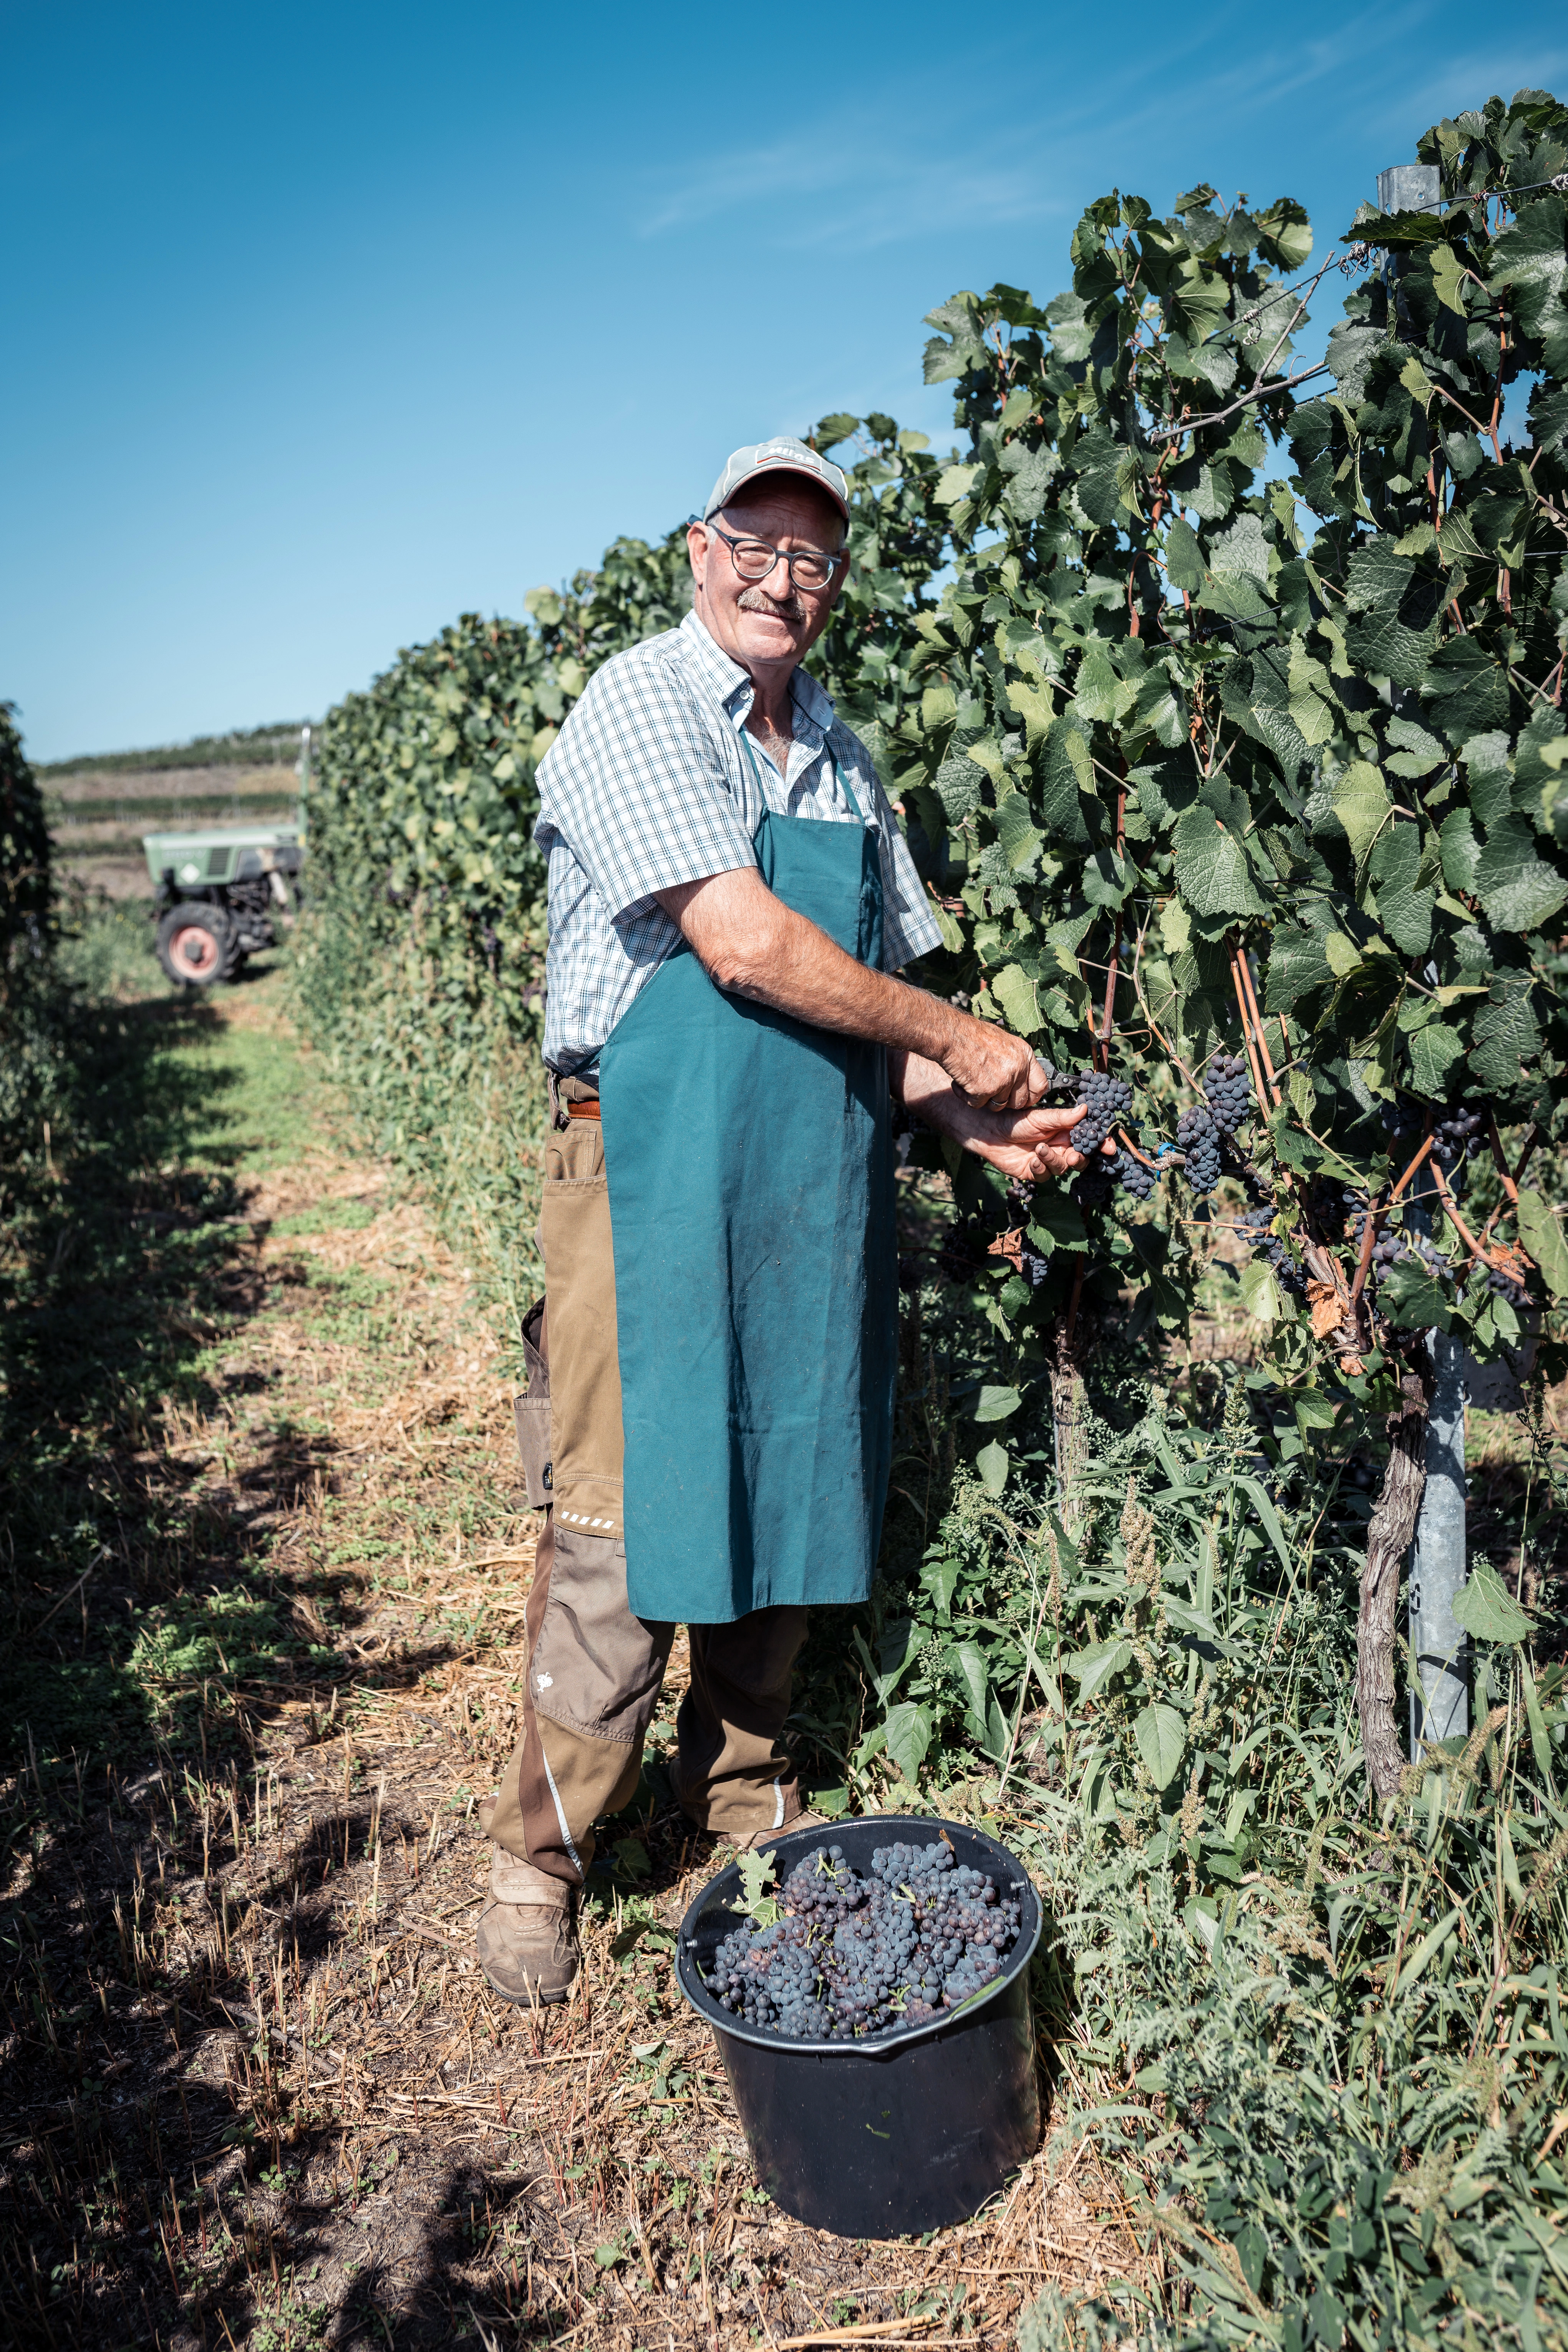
x=582, y=1109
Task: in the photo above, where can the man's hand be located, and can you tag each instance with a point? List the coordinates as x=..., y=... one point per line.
x=991, y=1068
x=1027, y=1144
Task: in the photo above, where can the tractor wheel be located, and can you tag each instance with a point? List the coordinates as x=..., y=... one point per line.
x=196, y=944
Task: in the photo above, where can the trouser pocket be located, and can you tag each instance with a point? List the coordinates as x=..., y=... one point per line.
x=532, y=1410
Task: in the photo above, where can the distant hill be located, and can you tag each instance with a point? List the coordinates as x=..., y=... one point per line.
x=252, y=747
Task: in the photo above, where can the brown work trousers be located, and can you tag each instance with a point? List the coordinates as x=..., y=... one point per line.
x=595, y=1670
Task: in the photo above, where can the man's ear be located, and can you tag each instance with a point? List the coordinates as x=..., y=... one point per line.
x=697, y=548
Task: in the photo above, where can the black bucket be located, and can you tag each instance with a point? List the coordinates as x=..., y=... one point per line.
x=906, y=2130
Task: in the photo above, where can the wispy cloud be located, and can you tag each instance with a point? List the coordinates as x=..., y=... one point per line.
x=851, y=184
x=1016, y=133
x=1470, y=77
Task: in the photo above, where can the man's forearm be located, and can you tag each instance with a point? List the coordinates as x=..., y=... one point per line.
x=763, y=950
x=752, y=944
x=924, y=1090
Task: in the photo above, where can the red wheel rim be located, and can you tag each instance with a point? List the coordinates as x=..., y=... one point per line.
x=193, y=951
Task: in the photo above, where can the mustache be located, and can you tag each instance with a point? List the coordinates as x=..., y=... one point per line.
x=782, y=608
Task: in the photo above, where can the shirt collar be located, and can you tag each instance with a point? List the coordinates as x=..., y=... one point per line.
x=732, y=686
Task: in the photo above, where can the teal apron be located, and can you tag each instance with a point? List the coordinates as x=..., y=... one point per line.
x=750, y=1182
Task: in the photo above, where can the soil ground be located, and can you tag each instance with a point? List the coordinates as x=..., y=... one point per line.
x=256, y=2091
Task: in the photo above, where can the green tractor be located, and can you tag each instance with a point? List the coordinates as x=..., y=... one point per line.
x=220, y=891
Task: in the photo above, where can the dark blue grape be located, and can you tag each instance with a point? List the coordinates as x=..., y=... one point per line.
x=1452, y=1132
x=1397, y=1246
x=1331, y=1204
x=1255, y=1224
x=1106, y=1100
x=1093, y=1187
x=853, y=1955
x=1198, y=1136
x=1228, y=1086
x=1132, y=1176
x=1492, y=1278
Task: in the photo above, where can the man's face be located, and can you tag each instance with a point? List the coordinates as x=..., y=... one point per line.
x=766, y=625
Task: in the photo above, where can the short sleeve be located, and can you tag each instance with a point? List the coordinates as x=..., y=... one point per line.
x=636, y=786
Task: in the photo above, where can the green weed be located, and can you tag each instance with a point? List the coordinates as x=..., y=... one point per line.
x=1323, y=2039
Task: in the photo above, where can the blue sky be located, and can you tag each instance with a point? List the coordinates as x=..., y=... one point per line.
x=324, y=324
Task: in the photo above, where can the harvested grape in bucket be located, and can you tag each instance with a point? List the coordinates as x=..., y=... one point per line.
x=848, y=1956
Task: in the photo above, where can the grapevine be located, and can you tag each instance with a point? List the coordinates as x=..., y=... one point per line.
x=1262, y=786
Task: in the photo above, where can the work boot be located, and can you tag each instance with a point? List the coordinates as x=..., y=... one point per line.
x=527, y=1939
x=760, y=1841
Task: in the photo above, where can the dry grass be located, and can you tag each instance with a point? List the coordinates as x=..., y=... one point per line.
x=258, y=2091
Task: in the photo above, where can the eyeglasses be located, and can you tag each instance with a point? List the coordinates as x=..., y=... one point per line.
x=754, y=559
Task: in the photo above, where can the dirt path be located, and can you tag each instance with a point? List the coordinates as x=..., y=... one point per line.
x=256, y=2091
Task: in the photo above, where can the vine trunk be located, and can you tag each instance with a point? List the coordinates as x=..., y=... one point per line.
x=1390, y=1533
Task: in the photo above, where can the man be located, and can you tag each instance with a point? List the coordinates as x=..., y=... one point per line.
x=730, y=900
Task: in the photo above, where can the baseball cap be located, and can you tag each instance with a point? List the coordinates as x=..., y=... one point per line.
x=783, y=455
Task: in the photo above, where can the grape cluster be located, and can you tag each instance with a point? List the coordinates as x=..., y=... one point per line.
x=1229, y=1091
x=1132, y=1176
x=1403, y=1120
x=851, y=1956
x=1394, y=1247
x=1503, y=1285
x=1452, y=1132
x=1036, y=1267
x=1331, y=1204
x=1198, y=1136
x=1386, y=1253
x=1094, y=1185
x=1254, y=1183
x=1106, y=1101
x=822, y=1889
x=1255, y=1224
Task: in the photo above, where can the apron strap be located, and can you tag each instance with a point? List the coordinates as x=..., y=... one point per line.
x=841, y=777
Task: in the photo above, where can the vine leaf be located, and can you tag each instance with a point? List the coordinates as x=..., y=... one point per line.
x=1212, y=872
x=1518, y=892
x=1362, y=807
x=1414, y=1300
x=1328, y=1309
x=1434, y=1051
x=1544, y=1238
x=1260, y=1293
x=1014, y=993
x=757, y=1873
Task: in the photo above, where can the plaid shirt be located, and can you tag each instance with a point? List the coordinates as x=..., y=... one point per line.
x=648, y=785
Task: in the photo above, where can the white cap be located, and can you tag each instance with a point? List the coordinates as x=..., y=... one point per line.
x=783, y=455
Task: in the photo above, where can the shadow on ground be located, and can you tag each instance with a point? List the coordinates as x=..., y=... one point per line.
x=152, y=1645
